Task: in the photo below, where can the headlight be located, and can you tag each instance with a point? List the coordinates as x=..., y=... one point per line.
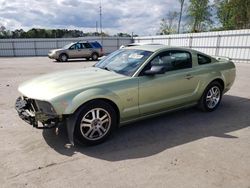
x=45, y=107
x=52, y=52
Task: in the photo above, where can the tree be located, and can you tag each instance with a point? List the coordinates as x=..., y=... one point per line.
x=179, y=22
x=233, y=14
x=2, y=28
x=122, y=35
x=168, y=24
x=17, y=33
x=200, y=12
x=225, y=13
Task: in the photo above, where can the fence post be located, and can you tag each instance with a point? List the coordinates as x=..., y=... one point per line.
x=117, y=43
x=35, y=48
x=57, y=46
x=217, y=45
x=190, y=41
x=13, y=48
x=169, y=41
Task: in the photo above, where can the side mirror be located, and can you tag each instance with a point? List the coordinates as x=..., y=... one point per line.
x=155, y=70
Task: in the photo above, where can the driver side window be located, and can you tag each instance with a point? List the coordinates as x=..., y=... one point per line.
x=163, y=59
x=173, y=60
x=76, y=46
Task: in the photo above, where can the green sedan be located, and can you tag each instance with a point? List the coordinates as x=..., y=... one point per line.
x=130, y=84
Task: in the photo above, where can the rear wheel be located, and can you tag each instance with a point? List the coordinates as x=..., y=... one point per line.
x=211, y=97
x=96, y=121
x=94, y=56
x=63, y=58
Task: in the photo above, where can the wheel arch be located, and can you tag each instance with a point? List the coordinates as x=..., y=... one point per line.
x=110, y=102
x=203, y=87
x=95, y=52
x=220, y=81
x=62, y=53
x=92, y=95
x=201, y=102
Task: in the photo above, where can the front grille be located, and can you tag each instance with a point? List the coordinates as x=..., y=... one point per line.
x=31, y=104
x=39, y=106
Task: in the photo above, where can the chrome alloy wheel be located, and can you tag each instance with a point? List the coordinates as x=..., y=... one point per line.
x=213, y=97
x=95, y=124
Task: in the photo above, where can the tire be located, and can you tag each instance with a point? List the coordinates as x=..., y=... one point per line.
x=91, y=130
x=211, y=97
x=63, y=57
x=94, y=57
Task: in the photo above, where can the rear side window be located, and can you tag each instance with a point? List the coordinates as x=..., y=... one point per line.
x=96, y=45
x=87, y=45
x=203, y=59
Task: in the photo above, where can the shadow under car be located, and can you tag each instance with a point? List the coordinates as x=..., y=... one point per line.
x=151, y=136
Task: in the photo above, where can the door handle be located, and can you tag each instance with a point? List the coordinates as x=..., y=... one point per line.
x=189, y=76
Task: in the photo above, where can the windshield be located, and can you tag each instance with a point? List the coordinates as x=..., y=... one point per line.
x=124, y=61
x=67, y=46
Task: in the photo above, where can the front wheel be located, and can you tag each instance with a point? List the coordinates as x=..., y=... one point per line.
x=63, y=58
x=96, y=121
x=211, y=97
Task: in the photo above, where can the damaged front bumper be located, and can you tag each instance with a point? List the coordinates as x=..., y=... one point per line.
x=28, y=111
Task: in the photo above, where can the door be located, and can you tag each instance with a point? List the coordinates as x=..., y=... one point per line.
x=87, y=50
x=176, y=87
x=76, y=50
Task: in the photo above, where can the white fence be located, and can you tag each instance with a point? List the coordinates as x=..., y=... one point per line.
x=41, y=47
x=234, y=44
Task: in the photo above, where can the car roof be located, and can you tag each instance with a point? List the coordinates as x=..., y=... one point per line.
x=81, y=41
x=154, y=48
x=140, y=44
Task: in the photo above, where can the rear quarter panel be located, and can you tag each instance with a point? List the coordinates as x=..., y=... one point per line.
x=224, y=70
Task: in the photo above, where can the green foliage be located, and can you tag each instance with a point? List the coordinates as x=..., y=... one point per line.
x=168, y=25
x=45, y=33
x=200, y=15
x=122, y=35
x=233, y=14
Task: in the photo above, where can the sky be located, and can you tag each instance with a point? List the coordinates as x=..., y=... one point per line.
x=141, y=17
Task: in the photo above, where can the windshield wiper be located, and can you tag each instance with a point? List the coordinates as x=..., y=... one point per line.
x=106, y=68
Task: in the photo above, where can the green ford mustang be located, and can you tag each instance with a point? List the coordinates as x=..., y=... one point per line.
x=130, y=84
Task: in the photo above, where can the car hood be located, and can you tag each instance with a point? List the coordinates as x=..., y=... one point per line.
x=49, y=86
x=56, y=50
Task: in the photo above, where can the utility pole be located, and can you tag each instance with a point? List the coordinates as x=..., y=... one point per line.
x=179, y=22
x=101, y=21
x=96, y=27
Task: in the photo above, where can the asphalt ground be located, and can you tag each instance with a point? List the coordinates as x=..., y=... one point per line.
x=188, y=148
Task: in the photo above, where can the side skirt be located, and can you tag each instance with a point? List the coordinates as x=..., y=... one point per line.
x=122, y=123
